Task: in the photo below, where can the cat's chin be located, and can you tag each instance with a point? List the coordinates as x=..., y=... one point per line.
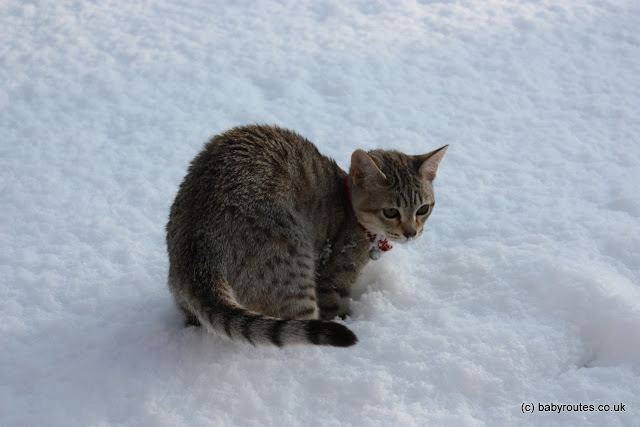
x=396, y=239
x=404, y=240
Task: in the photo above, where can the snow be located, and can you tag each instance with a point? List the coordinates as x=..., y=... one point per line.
x=524, y=289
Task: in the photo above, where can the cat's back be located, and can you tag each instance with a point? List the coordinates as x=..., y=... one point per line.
x=253, y=166
x=262, y=154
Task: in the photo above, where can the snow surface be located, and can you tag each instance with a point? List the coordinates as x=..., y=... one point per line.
x=524, y=289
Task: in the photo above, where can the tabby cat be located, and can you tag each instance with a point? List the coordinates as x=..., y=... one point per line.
x=266, y=235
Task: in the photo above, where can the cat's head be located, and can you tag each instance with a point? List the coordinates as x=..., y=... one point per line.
x=392, y=192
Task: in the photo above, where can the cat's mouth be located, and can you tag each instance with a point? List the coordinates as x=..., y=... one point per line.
x=398, y=238
x=374, y=233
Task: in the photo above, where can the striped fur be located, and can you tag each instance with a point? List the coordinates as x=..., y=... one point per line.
x=222, y=313
x=264, y=247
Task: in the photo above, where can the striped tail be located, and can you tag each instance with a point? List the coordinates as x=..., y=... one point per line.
x=220, y=313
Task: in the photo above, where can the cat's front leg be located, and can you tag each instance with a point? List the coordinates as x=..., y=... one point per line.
x=338, y=271
x=333, y=301
x=334, y=283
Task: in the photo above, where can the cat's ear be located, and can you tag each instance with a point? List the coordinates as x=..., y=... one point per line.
x=364, y=171
x=428, y=163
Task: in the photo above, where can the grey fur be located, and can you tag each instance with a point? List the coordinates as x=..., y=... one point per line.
x=263, y=244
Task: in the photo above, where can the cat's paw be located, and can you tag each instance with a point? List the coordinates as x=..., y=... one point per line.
x=343, y=316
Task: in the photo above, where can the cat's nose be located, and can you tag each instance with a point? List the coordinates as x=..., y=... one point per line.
x=409, y=234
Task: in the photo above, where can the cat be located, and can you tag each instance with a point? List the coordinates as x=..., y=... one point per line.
x=266, y=235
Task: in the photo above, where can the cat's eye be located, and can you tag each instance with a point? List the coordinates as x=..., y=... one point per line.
x=391, y=213
x=423, y=210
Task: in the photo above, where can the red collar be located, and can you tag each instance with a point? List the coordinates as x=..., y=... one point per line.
x=382, y=243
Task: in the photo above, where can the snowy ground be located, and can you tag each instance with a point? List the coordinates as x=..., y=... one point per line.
x=524, y=290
